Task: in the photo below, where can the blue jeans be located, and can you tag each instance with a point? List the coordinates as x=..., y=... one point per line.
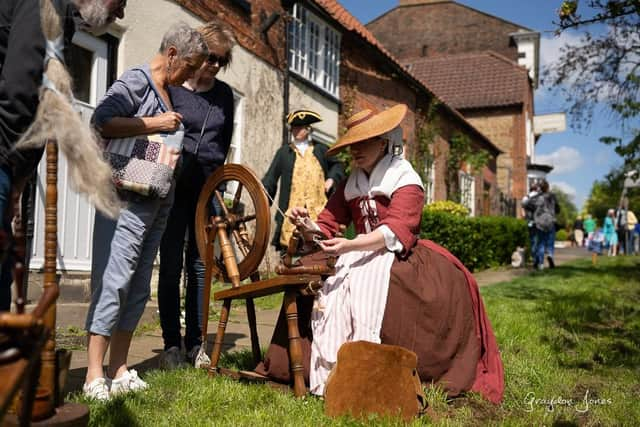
x=182, y=223
x=533, y=238
x=545, y=241
x=6, y=277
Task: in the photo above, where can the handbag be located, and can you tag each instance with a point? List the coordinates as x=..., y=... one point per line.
x=145, y=164
x=370, y=378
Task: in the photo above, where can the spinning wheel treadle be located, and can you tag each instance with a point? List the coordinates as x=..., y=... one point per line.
x=245, y=224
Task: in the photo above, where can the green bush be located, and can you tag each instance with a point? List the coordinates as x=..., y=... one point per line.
x=479, y=242
x=449, y=207
x=561, y=235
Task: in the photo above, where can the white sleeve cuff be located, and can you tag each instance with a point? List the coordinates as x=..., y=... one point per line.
x=391, y=241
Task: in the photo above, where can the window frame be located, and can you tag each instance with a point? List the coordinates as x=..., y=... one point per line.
x=467, y=183
x=429, y=184
x=322, y=69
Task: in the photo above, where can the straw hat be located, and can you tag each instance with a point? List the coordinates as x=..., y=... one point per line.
x=367, y=124
x=303, y=118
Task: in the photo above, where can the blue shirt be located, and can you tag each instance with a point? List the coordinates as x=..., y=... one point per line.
x=129, y=96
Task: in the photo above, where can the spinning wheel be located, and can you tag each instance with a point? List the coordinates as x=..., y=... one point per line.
x=232, y=241
x=241, y=230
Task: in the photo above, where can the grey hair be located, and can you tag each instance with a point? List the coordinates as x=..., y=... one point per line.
x=186, y=40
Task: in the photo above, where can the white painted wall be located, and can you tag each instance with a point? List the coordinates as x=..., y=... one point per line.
x=302, y=96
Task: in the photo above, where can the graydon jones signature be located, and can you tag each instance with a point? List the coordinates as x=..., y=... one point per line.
x=583, y=405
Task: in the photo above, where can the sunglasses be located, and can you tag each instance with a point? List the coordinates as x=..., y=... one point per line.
x=222, y=61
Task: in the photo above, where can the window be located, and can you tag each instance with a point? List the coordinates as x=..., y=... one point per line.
x=429, y=183
x=314, y=50
x=468, y=191
x=89, y=69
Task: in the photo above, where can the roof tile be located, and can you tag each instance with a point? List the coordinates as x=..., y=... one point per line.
x=472, y=80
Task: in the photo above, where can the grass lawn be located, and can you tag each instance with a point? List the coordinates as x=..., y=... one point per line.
x=570, y=342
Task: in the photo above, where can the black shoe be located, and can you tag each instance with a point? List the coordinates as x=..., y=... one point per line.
x=552, y=264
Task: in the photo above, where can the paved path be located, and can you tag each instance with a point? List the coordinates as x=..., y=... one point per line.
x=146, y=347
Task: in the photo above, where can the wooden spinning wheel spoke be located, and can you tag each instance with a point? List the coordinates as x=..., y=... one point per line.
x=223, y=206
x=245, y=235
x=245, y=218
x=236, y=198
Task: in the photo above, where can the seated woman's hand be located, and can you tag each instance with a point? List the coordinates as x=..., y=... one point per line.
x=168, y=121
x=297, y=213
x=335, y=246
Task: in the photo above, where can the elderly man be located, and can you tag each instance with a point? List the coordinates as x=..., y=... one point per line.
x=22, y=50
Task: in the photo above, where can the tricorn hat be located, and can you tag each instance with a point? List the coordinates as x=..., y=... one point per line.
x=303, y=118
x=367, y=124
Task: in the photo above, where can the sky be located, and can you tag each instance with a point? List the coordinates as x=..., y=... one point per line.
x=578, y=157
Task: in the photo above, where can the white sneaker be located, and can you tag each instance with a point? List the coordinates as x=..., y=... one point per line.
x=171, y=358
x=97, y=389
x=128, y=382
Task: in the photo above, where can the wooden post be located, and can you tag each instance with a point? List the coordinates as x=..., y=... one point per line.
x=295, y=345
x=217, y=344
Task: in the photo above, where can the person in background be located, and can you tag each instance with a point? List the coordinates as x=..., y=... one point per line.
x=621, y=226
x=589, y=228
x=578, y=231
x=610, y=235
x=124, y=250
x=206, y=105
x=529, y=209
x=631, y=225
x=306, y=174
x=595, y=245
x=545, y=208
x=22, y=51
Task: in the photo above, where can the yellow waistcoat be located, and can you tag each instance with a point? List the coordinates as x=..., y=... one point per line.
x=307, y=189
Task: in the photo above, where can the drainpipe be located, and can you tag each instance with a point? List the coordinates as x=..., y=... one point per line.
x=288, y=8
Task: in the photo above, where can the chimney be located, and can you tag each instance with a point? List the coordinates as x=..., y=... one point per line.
x=415, y=2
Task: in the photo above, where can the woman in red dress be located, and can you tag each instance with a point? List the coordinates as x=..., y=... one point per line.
x=390, y=287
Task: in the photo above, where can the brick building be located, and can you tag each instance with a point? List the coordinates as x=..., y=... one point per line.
x=371, y=77
x=482, y=65
x=329, y=63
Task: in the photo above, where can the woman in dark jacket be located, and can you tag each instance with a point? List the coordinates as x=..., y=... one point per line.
x=206, y=105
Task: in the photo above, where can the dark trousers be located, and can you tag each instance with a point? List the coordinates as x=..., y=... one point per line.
x=623, y=241
x=533, y=238
x=172, y=250
x=6, y=277
x=181, y=224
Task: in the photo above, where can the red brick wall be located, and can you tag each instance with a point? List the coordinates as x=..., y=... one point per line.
x=444, y=28
x=246, y=26
x=507, y=129
x=367, y=81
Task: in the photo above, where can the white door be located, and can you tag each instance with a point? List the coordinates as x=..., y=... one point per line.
x=75, y=213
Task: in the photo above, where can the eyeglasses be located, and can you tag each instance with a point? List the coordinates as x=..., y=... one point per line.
x=222, y=61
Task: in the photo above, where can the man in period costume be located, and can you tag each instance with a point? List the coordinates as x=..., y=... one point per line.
x=307, y=175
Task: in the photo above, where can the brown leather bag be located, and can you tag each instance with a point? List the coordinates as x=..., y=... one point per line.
x=374, y=378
